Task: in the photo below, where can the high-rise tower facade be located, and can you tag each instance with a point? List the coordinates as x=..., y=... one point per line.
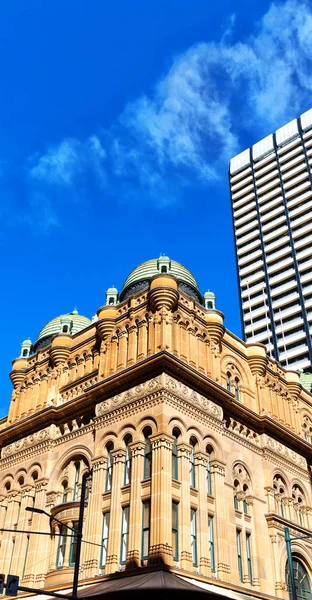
x=271, y=193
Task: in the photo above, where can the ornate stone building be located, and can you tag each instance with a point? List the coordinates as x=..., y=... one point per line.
x=199, y=446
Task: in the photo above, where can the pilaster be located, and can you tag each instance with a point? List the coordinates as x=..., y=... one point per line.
x=135, y=518
x=113, y=554
x=160, y=550
x=222, y=554
x=202, y=513
x=94, y=519
x=184, y=454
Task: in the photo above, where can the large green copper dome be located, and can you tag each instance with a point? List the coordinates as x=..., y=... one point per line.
x=140, y=276
x=69, y=323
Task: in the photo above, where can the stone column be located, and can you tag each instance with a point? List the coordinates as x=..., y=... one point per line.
x=122, y=350
x=160, y=550
x=132, y=345
x=135, y=518
x=54, y=547
x=90, y=555
x=221, y=541
x=184, y=454
x=6, y=549
x=150, y=335
x=202, y=513
x=38, y=549
x=142, y=339
x=113, y=554
x=27, y=499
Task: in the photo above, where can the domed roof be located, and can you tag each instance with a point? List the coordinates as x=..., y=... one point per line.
x=140, y=276
x=73, y=321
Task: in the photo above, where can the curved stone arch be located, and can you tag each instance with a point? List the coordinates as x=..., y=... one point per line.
x=194, y=432
x=217, y=448
x=306, y=424
x=8, y=478
x=124, y=429
x=229, y=362
x=33, y=468
x=104, y=438
x=281, y=474
x=303, y=487
x=146, y=421
x=179, y=424
x=236, y=457
x=22, y=472
x=300, y=552
x=79, y=450
x=241, y=473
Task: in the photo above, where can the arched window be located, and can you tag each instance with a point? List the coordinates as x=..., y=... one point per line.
x=228, y=382
x=164, y=269
x=208, y=470
x=193, y=443
x=279, y=487
x=298, y=502
x=242, y=485
x=127, y=474
x=236, y=389
x=307, y=428
x=65, y=329
x=147, y=432
x=175, y=466
x=76, y=481
x=65, y=492
x=109, y=468
x=302, y=581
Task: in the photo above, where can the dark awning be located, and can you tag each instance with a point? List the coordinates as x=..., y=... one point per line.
x=162, y=583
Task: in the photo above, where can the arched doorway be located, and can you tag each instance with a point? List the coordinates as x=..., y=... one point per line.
x=302, y=580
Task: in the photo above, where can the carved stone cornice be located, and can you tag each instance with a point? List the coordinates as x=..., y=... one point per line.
x=162, y=440
x=200, y=459
x=137, y=449
x=184, y=450
x=218, y=467
x=118, y=455
x=99, y=463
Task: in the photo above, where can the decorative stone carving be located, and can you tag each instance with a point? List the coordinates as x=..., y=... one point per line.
x=153, y=385
x=287, y=453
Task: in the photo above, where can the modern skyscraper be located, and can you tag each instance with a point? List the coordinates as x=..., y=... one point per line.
x=271, y=193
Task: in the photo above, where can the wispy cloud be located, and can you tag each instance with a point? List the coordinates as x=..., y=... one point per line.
x=192, y=122
x=62, y=164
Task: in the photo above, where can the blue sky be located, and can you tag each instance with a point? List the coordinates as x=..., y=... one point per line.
x=117, y=124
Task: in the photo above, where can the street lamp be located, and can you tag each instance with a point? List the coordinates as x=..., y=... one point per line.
x=77, y=533
x=288, y=541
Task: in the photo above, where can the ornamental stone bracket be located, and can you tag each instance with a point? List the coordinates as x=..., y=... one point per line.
x=162, y=383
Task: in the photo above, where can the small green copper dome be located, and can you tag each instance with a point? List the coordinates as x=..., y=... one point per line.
x=69, y=323
x=140, y=276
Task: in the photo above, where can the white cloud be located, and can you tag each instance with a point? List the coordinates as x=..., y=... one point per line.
x=63, y=163
x=192, y=122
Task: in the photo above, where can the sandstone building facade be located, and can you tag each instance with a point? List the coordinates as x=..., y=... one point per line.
x=198, y=443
